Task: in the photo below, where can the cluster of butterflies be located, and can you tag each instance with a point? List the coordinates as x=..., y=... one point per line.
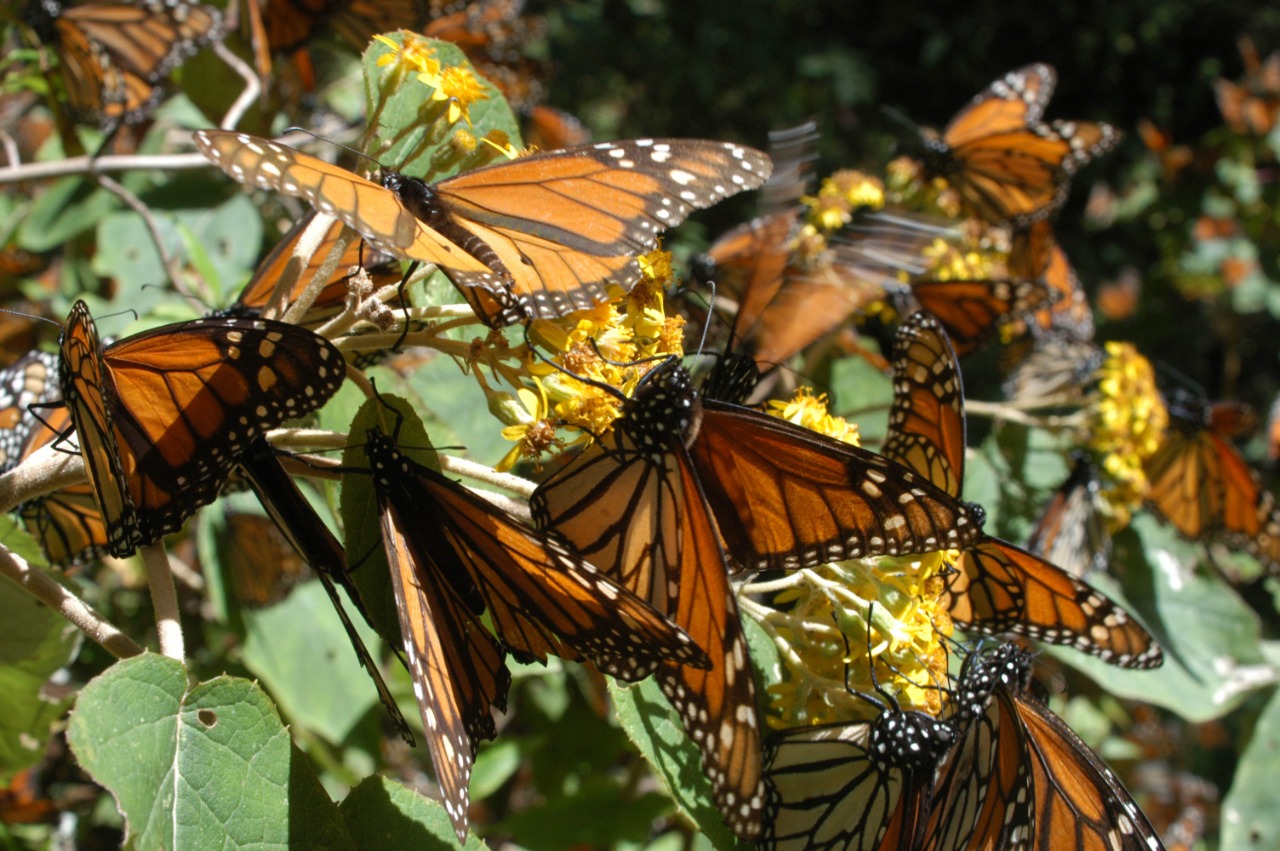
x=115, y=56
x=628, y=560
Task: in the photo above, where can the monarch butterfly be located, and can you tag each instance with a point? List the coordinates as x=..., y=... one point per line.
x=1201, y=484
x=1008, y=166
x=694, y=479
x=972, y=311
x=1035, y=255
x=308, y=537
x=862, y=785
x=290, y=24
x=161, y=416
x=537, y=237
x=1052, y=367
x=1072, y=532
x=1077, y=801
x=115, y=55
x=259, y=296
x=1253, y=104
x=997, y=587
x=262, y=566
x=30, y=380
x=66, y=523
x=453, y=556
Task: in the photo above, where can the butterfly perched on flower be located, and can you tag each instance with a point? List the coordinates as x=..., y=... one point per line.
x=683, y=480
x=455, y=556
x=536, y=237
x=114, y=56
x=161, y=416
x=997, y=587
x=1006, y=164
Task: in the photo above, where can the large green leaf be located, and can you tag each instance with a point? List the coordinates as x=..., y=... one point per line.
x=301, y=652
x=204, y=766
x=383, y=814
x=34, y=643
x=1250, y=818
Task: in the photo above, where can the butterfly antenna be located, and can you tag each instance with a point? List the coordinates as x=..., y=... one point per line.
x=320, y=138
x=32, y=316
x=901, y=118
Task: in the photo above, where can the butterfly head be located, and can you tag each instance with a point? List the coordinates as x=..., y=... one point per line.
x=664, y=406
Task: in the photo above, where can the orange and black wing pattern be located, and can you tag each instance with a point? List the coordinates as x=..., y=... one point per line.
x=1007, y=165
x=537, y=237
x=260, y=297
x=997, y=587
x=114, y=56
x=161, y=416
x=632, y=505
x=454, y=557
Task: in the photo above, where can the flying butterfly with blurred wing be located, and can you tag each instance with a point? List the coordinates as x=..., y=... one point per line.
x=1007, y=165
x=161, y=416
x=536, y=237
x=114, y=56
x=695, y=480
x=454, y=556
x=997, y=587
x=1072, y=532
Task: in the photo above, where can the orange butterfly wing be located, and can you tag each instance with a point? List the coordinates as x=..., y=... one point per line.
x=1005, y=163
x=997, y=587
x=115, y=56
x=160, y=416
x=539, y=236
x=666, y=550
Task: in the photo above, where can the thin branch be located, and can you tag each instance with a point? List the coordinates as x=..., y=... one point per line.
x=484, y=473
x=47, y=469
x=252, y=88
x=153, y=228
x=71, y=607
x=164, y=597
x=81, y=166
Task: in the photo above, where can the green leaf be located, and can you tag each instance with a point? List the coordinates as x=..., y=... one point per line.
x=655, y=728
x=384, y=814
x=1198, y=621
x=1250, y=818
x=301, y=652
x=35, y=642
x=68, y=208
x=199, y=767
x=402, y=111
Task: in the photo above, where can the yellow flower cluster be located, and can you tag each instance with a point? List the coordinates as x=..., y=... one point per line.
x=598, y=354
x=1127, y=418
x=456, y=86
x=825, y=620
x=805, y=409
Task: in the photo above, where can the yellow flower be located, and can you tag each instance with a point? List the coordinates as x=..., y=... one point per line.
x=831, y=624
x=460, y=87
x=413, y=55
x=856, y=188
x=805, y=409
x=1127, y=419
x=534, y=433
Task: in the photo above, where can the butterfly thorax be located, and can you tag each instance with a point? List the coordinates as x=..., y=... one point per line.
x=733, y=378
x=396, y=481
x=664, y=408
x=909, y=741
x=420, y=198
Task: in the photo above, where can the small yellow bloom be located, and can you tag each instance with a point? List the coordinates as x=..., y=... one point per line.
x=534, y=433
x=805, y=409
x=414, y=55
x=1127, y=421
x=460, y=87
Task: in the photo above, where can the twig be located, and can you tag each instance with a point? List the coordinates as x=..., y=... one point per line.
x=153, y=228
x=164, y=597
x=48, y=469
x=71, y=607
x=488, y=475
x=79, y=166
x=252, y=88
